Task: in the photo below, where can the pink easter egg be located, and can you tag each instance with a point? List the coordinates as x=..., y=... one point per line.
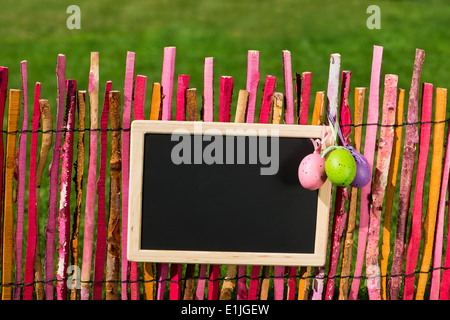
x=311, y=171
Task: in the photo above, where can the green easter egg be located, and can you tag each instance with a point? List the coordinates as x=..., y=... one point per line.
x=340, y=167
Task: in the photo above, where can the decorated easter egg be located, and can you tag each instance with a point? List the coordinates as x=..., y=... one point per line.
x=340, y=167
x=363, y=171
x=311, y=171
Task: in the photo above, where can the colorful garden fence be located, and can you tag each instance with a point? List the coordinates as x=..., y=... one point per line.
x=381, y=246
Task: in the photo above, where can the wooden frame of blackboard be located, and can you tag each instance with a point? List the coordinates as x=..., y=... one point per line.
x=134, y=251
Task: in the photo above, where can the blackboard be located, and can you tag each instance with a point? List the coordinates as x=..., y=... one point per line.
x=224, y=193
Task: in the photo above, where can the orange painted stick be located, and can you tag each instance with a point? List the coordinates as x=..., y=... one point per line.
x=8, y=213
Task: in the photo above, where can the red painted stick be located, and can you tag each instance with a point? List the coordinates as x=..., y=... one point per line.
x=50, y=230
x=253, y=78
x=407, y=175
x=266, y=103
x=304, y=97
x=64, y=202
x=379, y=185
x=32, y=203
x=100, y=243
x=340, y=214
x=415, y=235
x=3, y=93
x=21, y=184
x=226, y=92
x=369, y=154
x=183, y=85
x=176, y=268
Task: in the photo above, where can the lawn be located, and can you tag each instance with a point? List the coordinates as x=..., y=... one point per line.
x=312, y=30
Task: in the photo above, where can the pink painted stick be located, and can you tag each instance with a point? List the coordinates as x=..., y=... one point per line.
x=88, y=236
x=266, y=103
x=176, y=268
x=200, y=291
x=208, y=90
x=379, y=185
x=305, y=95
x=64, y=202
x=50, y=230
x=100, y=244
x=127, y=110
x=412, y=251
x=278, y=282
x=32, y=203
x=369, y=153
x=183, y=84
x=340, y=214
x=288, y=87
x=167, y=78
x=332, y=109
x=139, y=106
x=21, y=184
x=253, y=78
x=207, y=116
x=407, y=175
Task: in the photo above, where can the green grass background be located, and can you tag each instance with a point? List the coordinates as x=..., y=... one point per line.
x=312, y=30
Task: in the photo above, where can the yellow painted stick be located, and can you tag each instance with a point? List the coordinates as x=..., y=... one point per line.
x=155, y=111
x=390, y=192
x=429, y=223
x=8, y=213
x=360, y=94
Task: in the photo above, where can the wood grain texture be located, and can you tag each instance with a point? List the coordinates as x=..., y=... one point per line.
x=380, y=180
x=78, y=179
x=8, y=210
x=20, y=168
x=407, y=175
x=430, y=228
x=46, y=144
x=390, y=193
x=65, y=192
x=353, y=201
x=112, y=272
x=369, y=154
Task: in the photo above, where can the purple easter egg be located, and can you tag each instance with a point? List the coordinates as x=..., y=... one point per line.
x=363, y=171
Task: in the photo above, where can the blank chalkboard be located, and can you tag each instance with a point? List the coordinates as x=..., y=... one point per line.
x=224, y=193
